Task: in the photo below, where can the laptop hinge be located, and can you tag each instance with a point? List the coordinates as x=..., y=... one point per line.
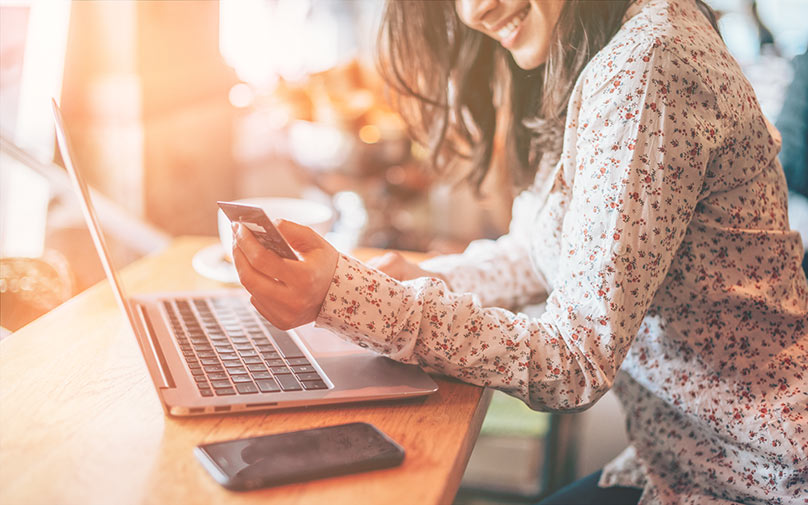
x=165, y=379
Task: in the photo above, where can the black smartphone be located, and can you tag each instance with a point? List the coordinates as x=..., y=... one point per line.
x=256, y=220
x=297, y=456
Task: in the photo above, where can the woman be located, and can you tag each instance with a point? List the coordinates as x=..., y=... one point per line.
x=659, y=238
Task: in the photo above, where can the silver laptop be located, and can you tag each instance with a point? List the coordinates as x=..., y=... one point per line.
x=212, y=352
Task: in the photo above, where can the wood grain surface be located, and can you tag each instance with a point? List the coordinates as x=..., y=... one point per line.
x=80, y=422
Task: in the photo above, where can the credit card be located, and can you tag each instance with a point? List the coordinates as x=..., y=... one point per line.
x=256, y=220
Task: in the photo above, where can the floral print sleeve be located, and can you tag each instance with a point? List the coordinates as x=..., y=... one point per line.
x=499, y=272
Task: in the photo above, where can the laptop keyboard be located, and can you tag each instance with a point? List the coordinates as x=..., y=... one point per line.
x=230, y=349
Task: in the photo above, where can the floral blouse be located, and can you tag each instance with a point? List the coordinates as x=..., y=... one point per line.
x=662, y=243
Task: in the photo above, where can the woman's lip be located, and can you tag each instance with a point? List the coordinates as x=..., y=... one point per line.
x=509, y=41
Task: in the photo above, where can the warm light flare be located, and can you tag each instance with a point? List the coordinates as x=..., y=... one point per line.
x=370, y=134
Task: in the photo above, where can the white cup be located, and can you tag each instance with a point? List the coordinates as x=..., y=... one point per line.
x=318, y=216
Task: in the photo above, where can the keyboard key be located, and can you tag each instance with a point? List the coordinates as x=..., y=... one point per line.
x=213, y=368
x=276, y=362
x=225, y=392
x=244, y=353
x=206, y=392
x=270, y=355
x=268, y=385
x=217, y=376
x=303, y=368
x=280, y=370
x=262, y=375
x=209, y=361
x=246, y=388
x=285, y=344
x=318, y=384
x=231, y=363
x=252, y=359
x=220, y=384
x=288, y=382
x=197, y=371
x=298, y=361
x=256, y=367
x=308, y=376
x=200, y=379
x=241, y=378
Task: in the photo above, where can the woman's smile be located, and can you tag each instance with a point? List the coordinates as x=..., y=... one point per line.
x=508, y=30
x=524, y=28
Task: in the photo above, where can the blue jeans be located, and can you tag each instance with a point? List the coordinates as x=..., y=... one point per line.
x=586, y=492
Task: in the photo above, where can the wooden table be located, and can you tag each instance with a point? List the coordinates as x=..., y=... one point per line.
x=80, y=422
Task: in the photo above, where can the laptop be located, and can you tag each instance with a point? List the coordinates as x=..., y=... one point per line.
x=212, y=352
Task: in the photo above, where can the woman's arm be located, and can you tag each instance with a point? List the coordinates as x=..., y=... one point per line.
x=499, y=272
x=642, y=142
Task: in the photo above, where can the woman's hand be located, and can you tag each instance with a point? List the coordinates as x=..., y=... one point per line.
x=398, y=267
x=288, y=293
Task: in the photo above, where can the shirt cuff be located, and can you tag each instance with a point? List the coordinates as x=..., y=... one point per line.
x=366, y=307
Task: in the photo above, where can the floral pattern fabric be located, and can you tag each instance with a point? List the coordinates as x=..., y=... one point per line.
x=661, y=240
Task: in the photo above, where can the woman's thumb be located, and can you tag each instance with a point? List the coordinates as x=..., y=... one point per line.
x=301, y=238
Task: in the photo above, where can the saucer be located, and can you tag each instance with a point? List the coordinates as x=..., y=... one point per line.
x=210, y=262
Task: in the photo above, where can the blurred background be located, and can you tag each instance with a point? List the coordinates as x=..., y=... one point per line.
x=173, y=105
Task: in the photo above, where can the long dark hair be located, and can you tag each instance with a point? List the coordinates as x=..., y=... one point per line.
x=449, y=80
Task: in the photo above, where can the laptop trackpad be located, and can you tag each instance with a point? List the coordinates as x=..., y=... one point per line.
x=322, y=341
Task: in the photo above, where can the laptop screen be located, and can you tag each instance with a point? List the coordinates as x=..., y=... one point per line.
x=89, y=214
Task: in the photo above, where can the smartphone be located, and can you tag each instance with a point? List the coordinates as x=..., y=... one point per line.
x=256, y=220
x=297, y=456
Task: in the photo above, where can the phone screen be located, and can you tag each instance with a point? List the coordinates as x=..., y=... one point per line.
x=300, y=455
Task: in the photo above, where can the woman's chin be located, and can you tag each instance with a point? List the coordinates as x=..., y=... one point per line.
x=527, y=59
